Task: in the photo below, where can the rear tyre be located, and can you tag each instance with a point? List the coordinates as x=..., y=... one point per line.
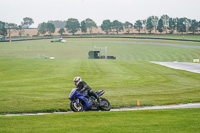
x=104, y=104
x=75, y=107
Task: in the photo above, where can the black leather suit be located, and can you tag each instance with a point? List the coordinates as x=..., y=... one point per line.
x=83, y=86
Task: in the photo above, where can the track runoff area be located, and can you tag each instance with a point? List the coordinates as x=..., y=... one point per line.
x=191, y=67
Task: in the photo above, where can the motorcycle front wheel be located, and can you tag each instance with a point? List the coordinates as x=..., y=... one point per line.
x=75, y=107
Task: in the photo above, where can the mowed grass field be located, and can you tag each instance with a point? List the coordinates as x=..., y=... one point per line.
x=145, y=121
x=31, y=84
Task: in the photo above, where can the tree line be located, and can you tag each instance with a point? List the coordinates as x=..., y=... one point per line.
x=153, y=23
x=72, y=25
x=9, y=28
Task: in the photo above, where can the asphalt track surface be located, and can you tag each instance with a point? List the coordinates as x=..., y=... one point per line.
x=191, y=67
x=179, y=106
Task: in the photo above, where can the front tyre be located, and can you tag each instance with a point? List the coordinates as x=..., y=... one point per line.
x=104, y=104
x=75, y=107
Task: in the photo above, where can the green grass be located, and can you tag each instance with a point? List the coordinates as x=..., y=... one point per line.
x=150, y=121
x=78, y=49
x=29, y=84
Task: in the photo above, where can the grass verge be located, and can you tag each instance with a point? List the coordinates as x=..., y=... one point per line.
x=151, y=121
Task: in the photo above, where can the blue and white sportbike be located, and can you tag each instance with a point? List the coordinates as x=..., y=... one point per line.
x=83, y=102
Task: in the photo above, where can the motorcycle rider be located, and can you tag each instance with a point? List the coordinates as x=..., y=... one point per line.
x=83, y=86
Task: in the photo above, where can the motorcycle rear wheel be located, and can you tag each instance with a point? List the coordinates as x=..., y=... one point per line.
x=105, y=104
x=75, y=107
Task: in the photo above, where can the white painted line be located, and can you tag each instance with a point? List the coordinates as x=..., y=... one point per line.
x=179, y=106
x=189, y=105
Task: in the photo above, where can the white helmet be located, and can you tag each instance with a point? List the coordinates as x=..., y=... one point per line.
x=77, y=80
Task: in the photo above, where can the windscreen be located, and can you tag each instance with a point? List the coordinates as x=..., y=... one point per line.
x=72, y=92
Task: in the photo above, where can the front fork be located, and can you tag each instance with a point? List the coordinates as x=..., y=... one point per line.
x=77, y=101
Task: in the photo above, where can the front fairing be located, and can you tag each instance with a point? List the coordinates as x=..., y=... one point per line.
x=80, y=97
x=73, y=93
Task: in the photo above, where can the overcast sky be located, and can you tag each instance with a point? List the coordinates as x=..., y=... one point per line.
x=13, y=11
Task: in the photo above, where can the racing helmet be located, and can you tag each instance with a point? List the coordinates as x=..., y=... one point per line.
x=77, y=80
